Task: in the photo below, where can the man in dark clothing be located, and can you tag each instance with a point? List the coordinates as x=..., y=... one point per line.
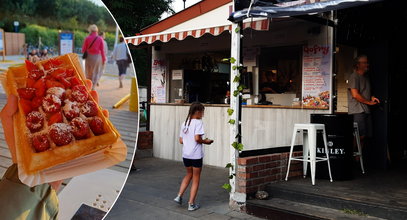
x=360, y=98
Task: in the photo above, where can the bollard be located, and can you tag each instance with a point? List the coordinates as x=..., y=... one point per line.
x=133, y=103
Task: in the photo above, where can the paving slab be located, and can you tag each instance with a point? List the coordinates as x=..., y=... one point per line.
x=150, y=189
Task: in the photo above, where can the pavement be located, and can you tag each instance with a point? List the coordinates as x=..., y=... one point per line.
x=151, y=187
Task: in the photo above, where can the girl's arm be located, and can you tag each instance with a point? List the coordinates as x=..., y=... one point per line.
x=198, y=138
x=181, y=141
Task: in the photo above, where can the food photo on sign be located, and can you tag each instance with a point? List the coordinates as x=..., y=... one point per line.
x=70, y=122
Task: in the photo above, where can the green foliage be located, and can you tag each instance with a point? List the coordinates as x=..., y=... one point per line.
x=230, y=60
x=33, y=33
x=58, y=14
x=227, y=186
x=49, y=37
x=240, y=88
x=79, y=38
x=140, y=59
x=236, y=79
x=230, y=111
x=110, y=37
x=237, y=146
x=132, y=16
x=229, y=165
x=232, y=121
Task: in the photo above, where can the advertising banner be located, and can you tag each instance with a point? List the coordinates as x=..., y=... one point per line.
x=66, y=43
x=316, y=76
x=158, y=81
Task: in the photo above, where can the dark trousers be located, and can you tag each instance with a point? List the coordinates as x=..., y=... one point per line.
x=122, y=65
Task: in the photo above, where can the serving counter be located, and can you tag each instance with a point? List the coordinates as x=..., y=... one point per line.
x=263, y=126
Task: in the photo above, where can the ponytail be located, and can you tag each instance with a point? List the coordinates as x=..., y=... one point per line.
x=195, y=107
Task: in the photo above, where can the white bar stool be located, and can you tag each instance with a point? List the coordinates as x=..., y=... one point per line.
x=359, y=152
x=309, y=148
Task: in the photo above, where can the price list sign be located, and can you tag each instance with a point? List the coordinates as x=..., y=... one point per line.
x=66, y=43
x=316, y=76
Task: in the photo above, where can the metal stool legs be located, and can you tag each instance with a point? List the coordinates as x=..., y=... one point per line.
x=327, y=154
x=309, y=149
x=359, y=153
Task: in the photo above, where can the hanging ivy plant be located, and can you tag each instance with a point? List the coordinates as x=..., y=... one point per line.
x=238, y=92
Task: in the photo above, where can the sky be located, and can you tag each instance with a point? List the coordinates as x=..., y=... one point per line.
x=177, y=5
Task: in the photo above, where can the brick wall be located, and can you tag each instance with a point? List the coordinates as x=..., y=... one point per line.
x=145, y=140
x=255, y=172
x=144, y=144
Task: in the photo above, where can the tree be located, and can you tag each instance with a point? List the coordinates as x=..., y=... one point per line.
x=132, y=16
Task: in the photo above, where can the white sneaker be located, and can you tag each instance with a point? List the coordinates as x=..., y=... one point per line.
x=193, y=207
x=178, y=200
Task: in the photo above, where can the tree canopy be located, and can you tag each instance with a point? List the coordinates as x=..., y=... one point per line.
x=59, y=14
x=132, y=16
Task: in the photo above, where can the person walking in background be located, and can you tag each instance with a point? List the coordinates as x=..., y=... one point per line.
x=121, y=57
x=25, y=50
x=33, y=56
x=44, y=54
x=191, y=134
x=94, y=54
x=103, y=36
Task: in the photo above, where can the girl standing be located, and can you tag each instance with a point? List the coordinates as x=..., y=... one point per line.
x=191, y=134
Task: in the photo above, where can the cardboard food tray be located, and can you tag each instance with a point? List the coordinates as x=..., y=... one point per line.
x=75, y=164
x=89, y=163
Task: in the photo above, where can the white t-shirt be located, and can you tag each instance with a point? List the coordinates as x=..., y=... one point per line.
x=191, y=148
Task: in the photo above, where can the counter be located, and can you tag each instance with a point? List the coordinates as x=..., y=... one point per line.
x=262, y=127
x=244, y=106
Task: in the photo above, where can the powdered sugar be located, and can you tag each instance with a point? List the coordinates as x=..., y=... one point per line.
x=61, y=128
x=79, y=95
x=35, y=121
x=57, y=91
x=71, y=106
x=51, y=103
x=60, y=134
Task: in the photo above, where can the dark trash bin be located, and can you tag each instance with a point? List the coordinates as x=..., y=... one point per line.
x=339, y=130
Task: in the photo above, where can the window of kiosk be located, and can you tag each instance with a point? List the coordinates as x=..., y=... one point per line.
x=205, y=78
x=280, y=75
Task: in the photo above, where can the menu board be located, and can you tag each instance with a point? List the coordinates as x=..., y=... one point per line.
x=316, y=76
x=158, y=76
x=66, y=43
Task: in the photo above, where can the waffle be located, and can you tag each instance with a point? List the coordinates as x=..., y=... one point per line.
x=34, y=158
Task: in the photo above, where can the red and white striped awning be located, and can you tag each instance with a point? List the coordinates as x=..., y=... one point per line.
x=259, y=25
